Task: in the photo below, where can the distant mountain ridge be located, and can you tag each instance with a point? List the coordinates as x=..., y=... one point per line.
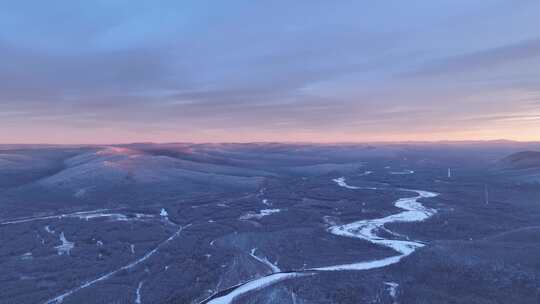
x=522, y=160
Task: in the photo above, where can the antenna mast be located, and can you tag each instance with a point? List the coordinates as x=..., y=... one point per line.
x=486, y=193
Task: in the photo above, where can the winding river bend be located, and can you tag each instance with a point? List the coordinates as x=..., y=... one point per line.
x=413, y=211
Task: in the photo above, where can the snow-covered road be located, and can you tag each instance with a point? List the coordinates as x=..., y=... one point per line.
x=66, y=246
x=149, y=254
x=253, y=285
x=83, y=215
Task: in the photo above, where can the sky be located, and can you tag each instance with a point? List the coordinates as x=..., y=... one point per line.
x=118, y=71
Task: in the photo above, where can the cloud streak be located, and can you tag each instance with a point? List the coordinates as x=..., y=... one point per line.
x=111, y=71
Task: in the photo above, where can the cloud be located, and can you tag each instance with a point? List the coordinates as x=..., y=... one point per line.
x=482, y=60
x=185, y=68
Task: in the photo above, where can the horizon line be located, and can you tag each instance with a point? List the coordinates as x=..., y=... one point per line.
x=443, y=141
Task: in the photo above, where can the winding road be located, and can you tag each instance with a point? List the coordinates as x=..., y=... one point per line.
x=66, y=246
x=58, y=299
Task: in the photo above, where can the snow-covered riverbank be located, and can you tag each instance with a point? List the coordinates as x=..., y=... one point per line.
x=367, y=230
x=413, y=211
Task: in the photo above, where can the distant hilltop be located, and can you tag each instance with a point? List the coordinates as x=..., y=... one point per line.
x=522, y=160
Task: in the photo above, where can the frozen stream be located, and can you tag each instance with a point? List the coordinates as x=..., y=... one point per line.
x=413, y=211
x=367, y=230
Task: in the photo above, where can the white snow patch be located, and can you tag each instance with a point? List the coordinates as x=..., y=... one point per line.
x=65, y=247
x=365, y=173
x=262, y=213
x=392, y=289
x=27, y=256
x=165, y=217
x=404, y=172
x=342, y=183
x=48, y=229
x=254, y=285
x=90, y=216
x=143, y=216
x=265, y=261
x=138, y=293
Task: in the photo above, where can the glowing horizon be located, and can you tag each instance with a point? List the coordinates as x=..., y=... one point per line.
x=236, y=71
